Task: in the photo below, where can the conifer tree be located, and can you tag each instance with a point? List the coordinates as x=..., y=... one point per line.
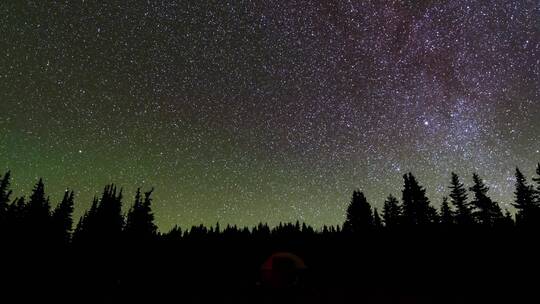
x=359, y=214
x=5, y=193
x=140, y=220
x=38, y=212
x=537, y=181
x=528, y=209
x=458, y=198
x=416, y=206
x=391, y=212
x=507, y=222
x=487, y=212
x=15, y=225
x=108, y=220
x=61, y=217
x=377, y=222
x=447, y=215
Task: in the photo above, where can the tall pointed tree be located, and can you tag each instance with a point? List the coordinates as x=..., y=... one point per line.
x=458, y=198
x=109, y=221
x=38, y=212
x=377, y=222
x=103, y=222
x=359, y=214
x=391, y=212
x=487, y=212
x=528, y=208
x=5, y=193
x=536, y=179
x=61, y=218
x=447, y=215
x=140, y=220
x=16, y=216
x=416, y=206
x=85, y=229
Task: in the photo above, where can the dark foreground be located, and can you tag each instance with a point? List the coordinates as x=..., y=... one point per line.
x=405, y=267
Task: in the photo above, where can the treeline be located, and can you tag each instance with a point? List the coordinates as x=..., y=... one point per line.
x=34, y=219
x=469, y=248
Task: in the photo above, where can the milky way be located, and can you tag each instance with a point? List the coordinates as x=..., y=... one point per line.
x=248, y=111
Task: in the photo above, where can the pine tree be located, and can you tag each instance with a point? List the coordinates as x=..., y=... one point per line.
x=359, y=214
x=537, y=181
x=108, y=221
x=103, y=222
x=377, y=222
x=5, y=193
x=61, y=217
x=528, y=209
x=408, y=217
x=416, y=206
x=85, y=231
x=507, y=222
x=458, y=198
x=140, y=220
x=487, y=212
x=447, y=215
x=15, y=224
x=391, y=212
x=38, y=213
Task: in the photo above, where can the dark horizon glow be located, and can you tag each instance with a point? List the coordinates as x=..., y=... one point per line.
x=244, y=112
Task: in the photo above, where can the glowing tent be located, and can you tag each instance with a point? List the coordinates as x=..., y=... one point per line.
x=282, y=269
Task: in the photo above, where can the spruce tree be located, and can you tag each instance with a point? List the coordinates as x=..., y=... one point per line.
x=416, y=206
x=458, y=198
x=15, y=224
x=408, y=217
x=377, y=222
x=5, y=193
x=359, y=214
x=537, y=181
x=524, y=202
x=108, y=221
x=487, y=212
x=447, y=215
x=38, y=213
x=391, y=212
x=61, y=217
x=140, y=220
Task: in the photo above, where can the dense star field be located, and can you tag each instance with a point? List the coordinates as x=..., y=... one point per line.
x=249, y=111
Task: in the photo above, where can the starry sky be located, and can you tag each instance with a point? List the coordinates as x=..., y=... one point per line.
x=249, y=111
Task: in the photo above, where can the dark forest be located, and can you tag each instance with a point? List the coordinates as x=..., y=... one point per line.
x=467, y=251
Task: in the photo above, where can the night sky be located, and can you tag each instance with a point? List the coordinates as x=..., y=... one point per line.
x=249, y=111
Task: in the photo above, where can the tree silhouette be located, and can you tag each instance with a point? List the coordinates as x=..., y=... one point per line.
x=5, y=193
x=109, y=221
x=447, y=215
x=62, y=221
x=458, y=198
x=528, y=209
x=85, y=230
x=487, y=212
x=377, y=222
x=507, y=222
x=416, y=207
x=140, y=220
x=103, y=222
x=391, y=212
x=38, y=211
x=15, y=218
x=537, y=181
x=359, y=214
